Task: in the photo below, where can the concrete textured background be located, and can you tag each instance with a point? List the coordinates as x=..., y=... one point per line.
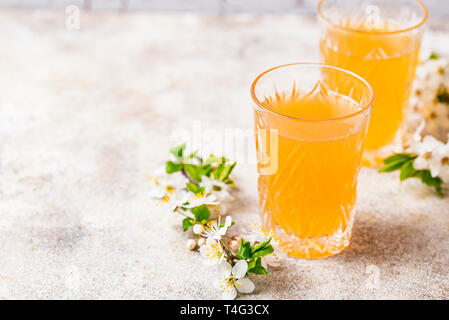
x=86, y=115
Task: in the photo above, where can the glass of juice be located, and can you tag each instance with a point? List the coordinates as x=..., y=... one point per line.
x=311, y=122
x=380, y=41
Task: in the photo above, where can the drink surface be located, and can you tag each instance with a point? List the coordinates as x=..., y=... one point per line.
x=386, y=61
x=312, y=194
x=316, y=107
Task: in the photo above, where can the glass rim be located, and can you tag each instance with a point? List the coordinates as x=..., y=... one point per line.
x=261, y=107
x=379, y=33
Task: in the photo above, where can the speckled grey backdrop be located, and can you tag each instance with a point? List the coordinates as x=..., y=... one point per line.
x=86, y=115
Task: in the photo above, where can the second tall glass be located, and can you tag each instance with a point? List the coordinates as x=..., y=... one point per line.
x=380, y=41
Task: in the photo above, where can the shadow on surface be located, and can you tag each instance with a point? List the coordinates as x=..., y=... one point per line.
x=384, y=242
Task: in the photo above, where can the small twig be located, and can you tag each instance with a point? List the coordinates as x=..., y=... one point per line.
x=227, y=251
x=181, y=213
x=188, y=177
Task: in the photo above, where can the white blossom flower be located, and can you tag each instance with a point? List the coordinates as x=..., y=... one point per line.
x=417, y=136
x=432, y=78
x=218, y=188
x=189, y=200
x=212, y=251
x=442, y=158
x=200, y=199
x=221, y=191
x=158, y=191
x=163, y=184
x=425, y=152
x=233, y=280
x=259, y=234
x=213, y=229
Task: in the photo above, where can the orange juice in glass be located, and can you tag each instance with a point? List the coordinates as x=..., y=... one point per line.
x=310, y=125
x=380, y=41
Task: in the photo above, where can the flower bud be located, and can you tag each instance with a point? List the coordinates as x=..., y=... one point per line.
x=198, y=228
x=201, y=241
x=237, y=238
x=235, y=245
x=191, y=244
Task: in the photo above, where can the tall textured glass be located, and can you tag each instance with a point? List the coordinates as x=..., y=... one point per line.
x=380, y=41
x=310, y=124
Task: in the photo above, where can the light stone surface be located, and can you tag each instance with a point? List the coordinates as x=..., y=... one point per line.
x=86, y=115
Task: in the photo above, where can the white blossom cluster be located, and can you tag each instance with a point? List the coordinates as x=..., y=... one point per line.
x=430, y=100
x=171, y=188
x=212, y=197
x=431, y=95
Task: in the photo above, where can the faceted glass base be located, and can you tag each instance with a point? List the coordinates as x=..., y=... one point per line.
x=315, y=248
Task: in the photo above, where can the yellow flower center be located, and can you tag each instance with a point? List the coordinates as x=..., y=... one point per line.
x=230, y=281
x=201, y=195
x=445, y=161
x=215, y=251
x=211, y=225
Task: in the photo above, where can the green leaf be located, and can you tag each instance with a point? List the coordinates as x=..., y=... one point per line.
x=252, y=264
x=187, y=223
x=194, y=171
x=217, y=171
x=260, y=245
x=245, y=250
x=264, y=252
x=399, y=156
x=178, y=151
x=194, y=188
x=426, y=178
x=396, y=161
x=201, y=213
x=227, y=171
x=194, y=155
x=213, y=159
x=407, y=170
x=258, y=268
x=434, y=56
x=206, y=170
x=171, y=167
x=392, y=166
x=404, y=162
x=222, y=170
